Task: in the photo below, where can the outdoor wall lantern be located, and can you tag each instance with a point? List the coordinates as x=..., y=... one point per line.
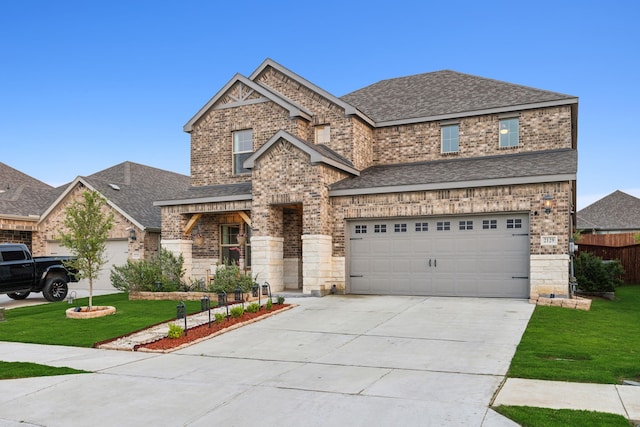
x=547, y=202
x=132, y=234
x=198, y=239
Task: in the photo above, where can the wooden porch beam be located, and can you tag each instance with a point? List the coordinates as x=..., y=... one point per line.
x=245, y=218
x=192, y=222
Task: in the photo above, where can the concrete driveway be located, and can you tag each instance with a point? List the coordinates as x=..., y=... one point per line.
x=332, y=361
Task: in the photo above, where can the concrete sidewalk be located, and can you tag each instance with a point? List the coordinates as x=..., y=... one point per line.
x=615, y=399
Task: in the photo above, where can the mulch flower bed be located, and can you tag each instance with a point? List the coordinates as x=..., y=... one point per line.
x=205, y=331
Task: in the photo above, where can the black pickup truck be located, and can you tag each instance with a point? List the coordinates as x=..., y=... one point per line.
x=21, y=274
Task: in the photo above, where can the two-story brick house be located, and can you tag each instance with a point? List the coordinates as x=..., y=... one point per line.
x=434, y=184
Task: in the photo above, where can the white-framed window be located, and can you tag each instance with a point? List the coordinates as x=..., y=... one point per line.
x=323, y=134
x=450, y=138
x=242, y=149
x=509, y=132
x=230, y=249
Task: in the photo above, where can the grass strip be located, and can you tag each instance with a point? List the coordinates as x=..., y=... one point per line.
x=527, y=416
x=14, y=370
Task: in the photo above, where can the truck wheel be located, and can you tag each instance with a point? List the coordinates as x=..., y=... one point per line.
x=55, y=288
x=18, y=295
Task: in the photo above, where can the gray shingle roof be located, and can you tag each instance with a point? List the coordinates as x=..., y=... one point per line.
x=539, y=163
x=139, y=186
x=617, y=211
x=21, y=194
x=442, y=93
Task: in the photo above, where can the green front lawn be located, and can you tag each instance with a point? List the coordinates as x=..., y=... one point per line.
x=597, y=346
x=13, y=370
x=48, y=324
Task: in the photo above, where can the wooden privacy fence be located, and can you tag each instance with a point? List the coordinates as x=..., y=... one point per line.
x=629, y=256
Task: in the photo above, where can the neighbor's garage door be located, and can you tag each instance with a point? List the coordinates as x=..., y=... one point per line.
x=117, y=252
x=479, y=256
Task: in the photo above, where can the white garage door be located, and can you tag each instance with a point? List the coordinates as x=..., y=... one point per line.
x=117, y=253
x=479, y=256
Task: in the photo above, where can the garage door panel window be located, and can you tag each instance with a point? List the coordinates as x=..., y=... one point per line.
x=443, y=226
x=465, y=225
x=361, y=229
x=380, y=228
x=422, y=226
x=489, y=224
x=514, y=223
x=400, y=228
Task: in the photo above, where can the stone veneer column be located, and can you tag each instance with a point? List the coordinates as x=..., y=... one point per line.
x=183, y=247
x=317, y=263
x=549, y=274
x=267, y=261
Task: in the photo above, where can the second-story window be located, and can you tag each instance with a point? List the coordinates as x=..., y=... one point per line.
x=323, y=134
x=242, y=149
x=450, y=138
x=509, y=133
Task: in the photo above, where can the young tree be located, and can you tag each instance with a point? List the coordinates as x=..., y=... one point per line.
x=87, y=225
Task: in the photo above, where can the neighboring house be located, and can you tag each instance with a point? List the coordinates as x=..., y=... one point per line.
x=129, y=189
x=610, y=229
x=22, y=199
x=613, y=214
x=433, y=184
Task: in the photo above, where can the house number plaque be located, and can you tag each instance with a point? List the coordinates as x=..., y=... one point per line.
x=549, y=240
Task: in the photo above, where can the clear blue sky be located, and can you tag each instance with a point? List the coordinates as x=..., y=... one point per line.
x=85, y=85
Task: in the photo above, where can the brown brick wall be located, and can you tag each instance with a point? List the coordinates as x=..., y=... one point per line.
x=212, y=139
x=344, y=130
x=542, y=129
x=284, y=176
x=15, y=236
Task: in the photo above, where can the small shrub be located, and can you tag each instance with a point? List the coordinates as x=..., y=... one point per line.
x=162, y=273
x=219, y=317
x=253, y=307
x=595, y=275
x=175, y=331
x=236, y=311
x=269, y=305
x=280, y=300
x=228, y=278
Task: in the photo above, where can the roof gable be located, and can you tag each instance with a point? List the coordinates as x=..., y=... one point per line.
x=242, y=91
x=617, y=211
x=349, y=109
x=446, y=94
x=317, y=153
x=130, y=189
